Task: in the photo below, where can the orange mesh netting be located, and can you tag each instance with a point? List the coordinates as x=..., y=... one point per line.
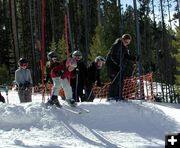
x=133, y=88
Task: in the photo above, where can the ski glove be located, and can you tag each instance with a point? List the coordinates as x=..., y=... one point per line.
x=27, y=84
x=77, y=71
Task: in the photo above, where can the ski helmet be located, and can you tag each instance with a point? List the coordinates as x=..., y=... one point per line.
x=100, y=58
x=22, y=61
x=77, y=55
x=51, y=55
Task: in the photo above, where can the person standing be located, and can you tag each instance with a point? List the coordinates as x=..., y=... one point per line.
x=79, y=81
x=116, y=62
x=93, y=76
x=23, y=80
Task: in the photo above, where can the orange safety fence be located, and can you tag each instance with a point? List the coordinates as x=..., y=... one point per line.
x=133, y=88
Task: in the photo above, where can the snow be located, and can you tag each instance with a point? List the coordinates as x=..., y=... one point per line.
x=109, y=124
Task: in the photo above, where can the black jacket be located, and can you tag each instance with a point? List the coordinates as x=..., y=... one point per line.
x=93, y=74
x=119, y=53
x=81, y=70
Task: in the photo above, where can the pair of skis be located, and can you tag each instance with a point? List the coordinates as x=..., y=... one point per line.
x=72, y=109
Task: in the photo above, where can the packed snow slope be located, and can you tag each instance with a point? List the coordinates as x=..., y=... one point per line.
x=109, y=124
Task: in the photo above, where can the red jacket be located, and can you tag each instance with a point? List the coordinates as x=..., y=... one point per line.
x=60, y=70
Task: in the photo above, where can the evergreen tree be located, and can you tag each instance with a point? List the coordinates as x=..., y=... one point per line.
x=98, y=46
x=176, y=44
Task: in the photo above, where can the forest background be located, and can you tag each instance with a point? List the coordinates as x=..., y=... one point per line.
x=92, y=26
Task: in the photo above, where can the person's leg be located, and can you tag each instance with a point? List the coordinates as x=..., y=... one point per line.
x=28, y=94
x=89, y=92
x=67, y=89
x=21, y=94
x=73, y=86
x=56, y=86
x=68, y=92
x=55, y=92
x=2, y=99
x=121, y=87
x=80, y=92
x=113, y=73
x=114, y=88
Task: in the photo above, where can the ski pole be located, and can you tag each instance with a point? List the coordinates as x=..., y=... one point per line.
x=6, y=89
x=90, y=94
x=76, y=89
x=115, y=77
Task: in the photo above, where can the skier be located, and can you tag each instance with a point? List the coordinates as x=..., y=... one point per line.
x=2, y=98
x=79, y=81
x=93, y=75
x=23, y=80
x=60, y=72
x=116, y=63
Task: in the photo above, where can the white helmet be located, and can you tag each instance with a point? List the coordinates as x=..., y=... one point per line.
x=100, y=58
x=51, y=55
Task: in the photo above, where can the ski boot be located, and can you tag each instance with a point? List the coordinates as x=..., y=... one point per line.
x=71, y=102
x=54, y=100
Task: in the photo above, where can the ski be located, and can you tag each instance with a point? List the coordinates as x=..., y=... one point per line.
x=71, y=110
x=78, y=108
x=83, y=109
x=64, y=107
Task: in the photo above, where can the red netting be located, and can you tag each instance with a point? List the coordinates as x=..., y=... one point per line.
x=133, y=88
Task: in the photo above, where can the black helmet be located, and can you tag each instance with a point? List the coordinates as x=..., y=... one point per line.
x=22, y=61
x=51, y=55
x=77, y=54
x=100, y=58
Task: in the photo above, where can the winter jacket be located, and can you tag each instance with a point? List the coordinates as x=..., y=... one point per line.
x=23, y=76
x=81, y=70
x=116, y=55
x=60, y=70
x=93, y=74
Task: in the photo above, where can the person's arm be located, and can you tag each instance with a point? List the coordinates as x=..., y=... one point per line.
x=114, y=53
x=129, y=56
x=17, y=77
x=98, y=80
x=29, y=77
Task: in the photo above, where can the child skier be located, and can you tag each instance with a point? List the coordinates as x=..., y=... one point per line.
x=24, y=81
x=60, y=73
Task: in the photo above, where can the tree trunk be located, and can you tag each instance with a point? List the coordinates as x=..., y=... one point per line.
x=14, y=28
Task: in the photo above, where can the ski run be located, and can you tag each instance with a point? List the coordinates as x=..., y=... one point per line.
x=102, y=124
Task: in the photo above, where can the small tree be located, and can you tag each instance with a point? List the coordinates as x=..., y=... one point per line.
x=98, y=46
x=59, y=48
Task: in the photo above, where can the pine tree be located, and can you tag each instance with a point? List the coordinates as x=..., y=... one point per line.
x=98, y=46
x=176, y=44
